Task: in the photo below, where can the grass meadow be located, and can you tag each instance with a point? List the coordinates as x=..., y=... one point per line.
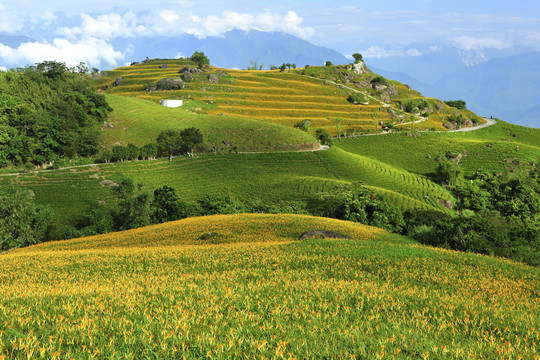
x=488, y=149
x=252, y=290
x=268, y=177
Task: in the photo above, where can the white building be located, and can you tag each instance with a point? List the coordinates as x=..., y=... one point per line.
x=172, y=103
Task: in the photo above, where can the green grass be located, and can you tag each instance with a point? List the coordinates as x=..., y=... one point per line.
x=412, y=153
x=161, y=292
x=270, y=177
x=139, y=122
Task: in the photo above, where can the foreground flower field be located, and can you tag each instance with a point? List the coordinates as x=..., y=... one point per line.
x=243, y=286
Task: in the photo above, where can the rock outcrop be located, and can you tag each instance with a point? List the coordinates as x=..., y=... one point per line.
x=360, y=68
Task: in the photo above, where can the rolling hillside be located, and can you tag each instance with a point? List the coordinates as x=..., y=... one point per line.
x=242, y=285
x=399, y=166
x=269, y=177
x=317, y=94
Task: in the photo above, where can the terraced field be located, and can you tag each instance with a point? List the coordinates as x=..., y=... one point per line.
x=282, y=98
x=243, y=286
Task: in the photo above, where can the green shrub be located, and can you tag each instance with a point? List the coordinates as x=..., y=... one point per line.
x=458, y=104
x=357, y=98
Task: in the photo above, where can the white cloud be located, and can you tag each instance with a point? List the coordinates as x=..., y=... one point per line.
x=2, y=68
x=108, y=26
x=90, y=50
x=169, y=16
x=473, y=43
x=10, y=22
x=377, y=52
x=170, y=23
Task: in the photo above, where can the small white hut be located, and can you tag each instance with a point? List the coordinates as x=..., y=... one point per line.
x=172, y=103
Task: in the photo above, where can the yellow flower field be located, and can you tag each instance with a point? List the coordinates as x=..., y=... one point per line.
x=243, y=286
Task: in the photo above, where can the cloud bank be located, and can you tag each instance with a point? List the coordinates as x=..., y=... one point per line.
x=90, y=50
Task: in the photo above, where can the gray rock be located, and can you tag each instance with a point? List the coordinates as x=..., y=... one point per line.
x=379, y=87
x=213, y=79
x=227, y=143
x=187, y=76
x=360, y=68
x=450, y=125
x=164, y=66
x=118, y=81
x=322, y=233
x=392, y=113
x=170, y=84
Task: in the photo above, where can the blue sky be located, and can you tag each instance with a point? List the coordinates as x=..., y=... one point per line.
x=73, y=31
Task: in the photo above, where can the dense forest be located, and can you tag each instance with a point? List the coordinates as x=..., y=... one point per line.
x=48, y=111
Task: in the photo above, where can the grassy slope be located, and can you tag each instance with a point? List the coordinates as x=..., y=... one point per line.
x=139, y=122
x=275, y=97
x=411, y=153
x=253, y=290
x=268, y=177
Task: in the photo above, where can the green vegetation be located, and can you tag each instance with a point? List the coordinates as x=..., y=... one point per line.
x=200, y=59
x=22, y=221
x=140, y=122
x=243, y=286
x=458, y=104
x=357, y=57
x=48, y=112
x=181, y=289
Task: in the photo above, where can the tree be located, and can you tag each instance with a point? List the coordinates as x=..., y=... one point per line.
x=448, y=172
x=328, y=63
x=357, y=57
x=458, y=104
x=191, y=138
x=200, y=59
x=282, y=67
x=167, y=206
x=254, y=65
x=169, y=142
x=22, y=222
x=324, y=137
x=149, y=151
x=134, y=209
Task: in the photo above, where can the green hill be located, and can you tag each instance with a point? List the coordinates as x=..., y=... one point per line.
x=492, y=149
x=316, y=94
x=139, y=122
x=243, y=286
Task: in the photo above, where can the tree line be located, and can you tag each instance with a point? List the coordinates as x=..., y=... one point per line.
x=49, y=111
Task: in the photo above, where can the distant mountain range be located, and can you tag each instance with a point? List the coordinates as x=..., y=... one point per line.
x=491, y=82
x=235, y=49
x=504, y=87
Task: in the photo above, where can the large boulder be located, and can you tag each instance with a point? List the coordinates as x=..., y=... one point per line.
x=164, y=66
x=379, y=87
x=322, y=233
x=187, y=76
x=360, y=68
x=213, y=79
x=170, y=84
x=118, y=81
x=450, y=125
x=193, y=70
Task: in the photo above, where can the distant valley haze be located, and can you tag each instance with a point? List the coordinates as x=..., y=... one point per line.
x=484, y=52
